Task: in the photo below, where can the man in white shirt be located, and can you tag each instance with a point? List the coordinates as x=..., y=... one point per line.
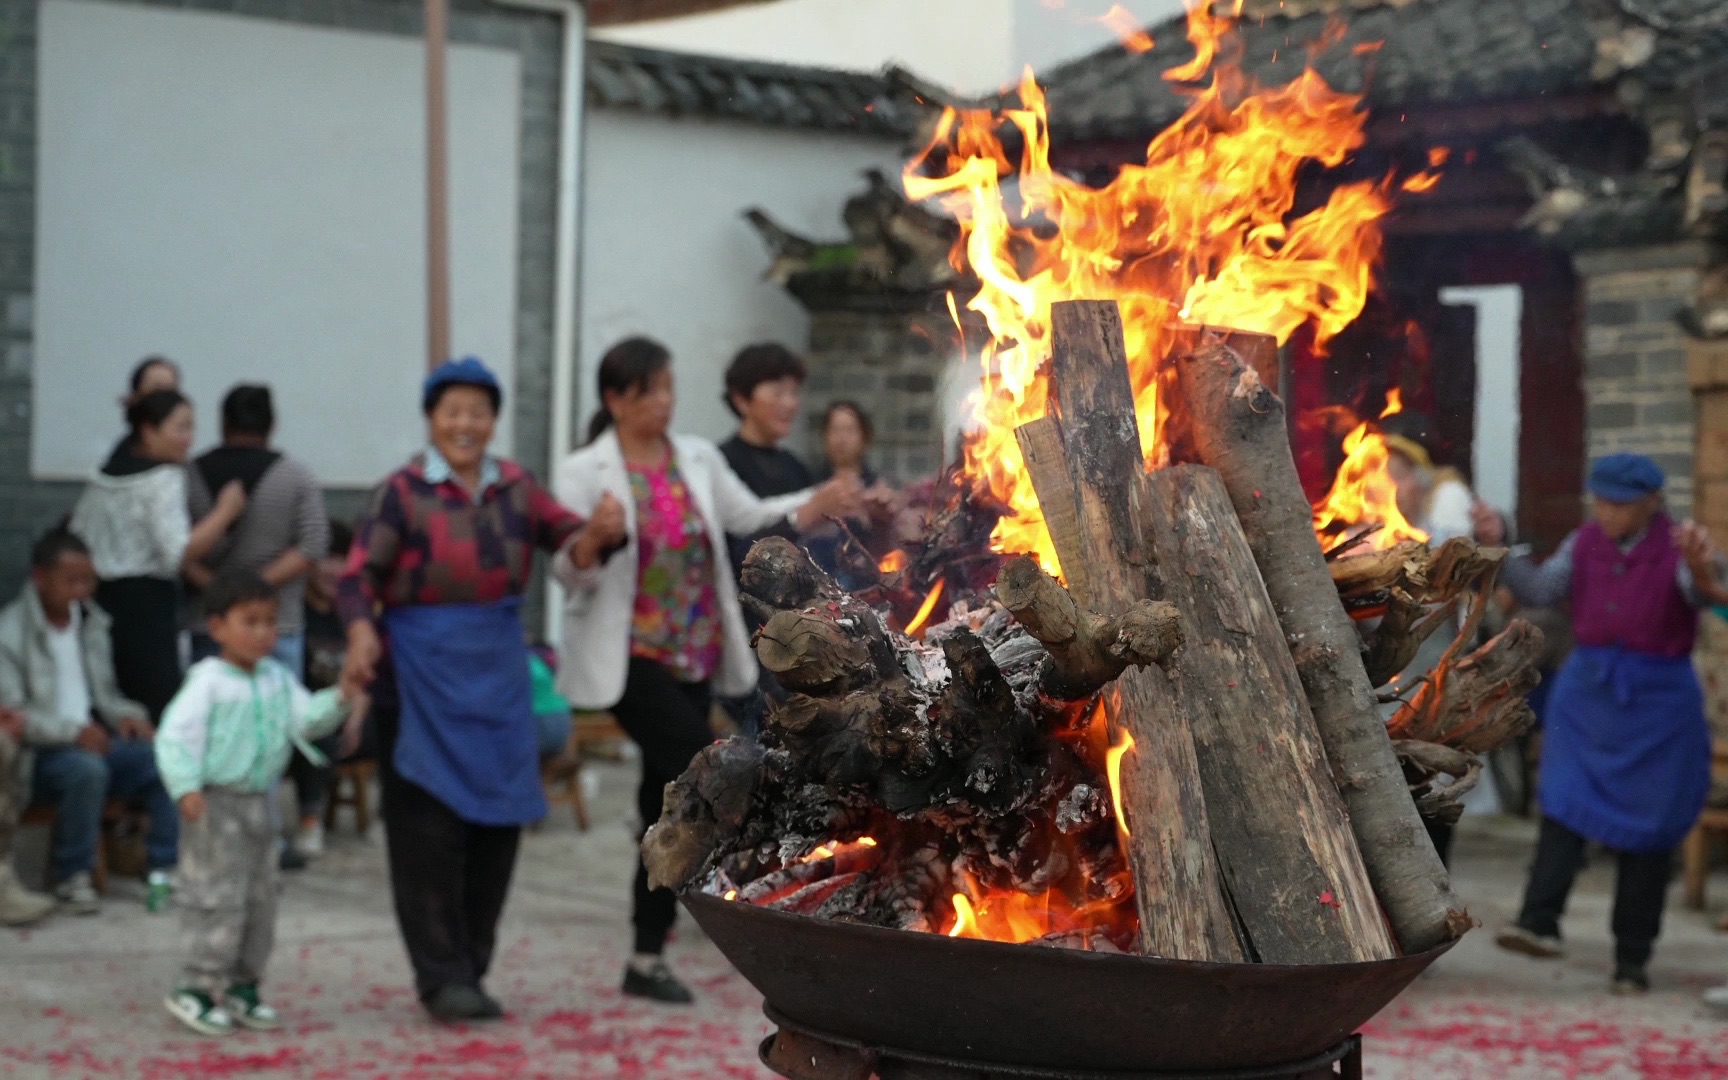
x=85, y=744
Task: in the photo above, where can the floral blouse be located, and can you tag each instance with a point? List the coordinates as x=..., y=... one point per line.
x=677, y=615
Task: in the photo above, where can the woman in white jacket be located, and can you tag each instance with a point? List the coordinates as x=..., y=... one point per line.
x=652, y=627
x=133, y=516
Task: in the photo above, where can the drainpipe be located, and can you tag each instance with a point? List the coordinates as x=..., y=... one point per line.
x=566, y=273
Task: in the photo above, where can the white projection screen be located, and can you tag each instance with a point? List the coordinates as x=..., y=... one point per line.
x=248, y=198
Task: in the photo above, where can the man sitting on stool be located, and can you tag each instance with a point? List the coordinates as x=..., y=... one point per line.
x=89, y=744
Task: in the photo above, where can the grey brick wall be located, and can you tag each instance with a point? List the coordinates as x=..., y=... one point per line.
x=26, y=506
x=1635, y=387
x=889, y=362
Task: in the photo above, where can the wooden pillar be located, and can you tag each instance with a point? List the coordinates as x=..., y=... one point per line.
x=437, y=189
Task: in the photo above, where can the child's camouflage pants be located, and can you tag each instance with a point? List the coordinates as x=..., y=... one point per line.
x=227, y=892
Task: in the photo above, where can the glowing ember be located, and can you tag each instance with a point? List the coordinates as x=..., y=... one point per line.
x=1201, y=232
x=731, y=894
x=1113, y=770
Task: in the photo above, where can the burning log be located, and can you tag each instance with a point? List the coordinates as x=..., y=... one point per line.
x=1087, y=650
x=1476, y=702
x=954, y=751
x=1293, y=878
x=1239, y=430
x=1178, y=887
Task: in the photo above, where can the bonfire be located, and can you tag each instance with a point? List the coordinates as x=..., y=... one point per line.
x=1122, y=694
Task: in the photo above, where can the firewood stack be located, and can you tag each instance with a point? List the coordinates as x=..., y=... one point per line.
x=1264, y=811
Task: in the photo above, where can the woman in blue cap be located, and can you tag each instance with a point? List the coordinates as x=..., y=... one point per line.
x=432, y=598
x=1625, y=750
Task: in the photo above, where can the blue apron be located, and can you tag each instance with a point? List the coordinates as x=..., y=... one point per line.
x=1625, y=748
x=468, y=734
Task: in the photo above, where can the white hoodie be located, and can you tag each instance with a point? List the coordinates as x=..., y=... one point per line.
x=137, y=525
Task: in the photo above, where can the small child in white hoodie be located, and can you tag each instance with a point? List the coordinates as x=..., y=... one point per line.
x=224, y=741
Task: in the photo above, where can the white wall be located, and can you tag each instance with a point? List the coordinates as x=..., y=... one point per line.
x=666, y=251
x=973, y=46
x=248, y=197
x=1494, y=456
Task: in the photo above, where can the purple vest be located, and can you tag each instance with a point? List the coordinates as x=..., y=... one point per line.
x=1632, y=601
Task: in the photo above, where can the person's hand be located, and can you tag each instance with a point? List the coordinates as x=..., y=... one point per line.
x=92, y=738
x=360, y=662
x=354, y=726
x=838, y=498
x=231, y=502
x=135, y=727
x=192, y=807
x=1488, y=524
x=1698, y=550
x=882, y=503
x=606, y=528
x=11, y=722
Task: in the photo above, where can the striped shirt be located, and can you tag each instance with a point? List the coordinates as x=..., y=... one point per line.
x=284, y=512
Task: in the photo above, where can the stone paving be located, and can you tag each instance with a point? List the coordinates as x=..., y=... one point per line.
x=81, y=997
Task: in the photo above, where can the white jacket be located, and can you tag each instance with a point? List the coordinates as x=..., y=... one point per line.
x=598, y=613
x=137, y=525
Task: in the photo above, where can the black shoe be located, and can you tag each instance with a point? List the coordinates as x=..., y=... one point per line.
x=454, y=1004
x=660, y=985
x=1630, y=981
x=490, y=1009
x=291, y=859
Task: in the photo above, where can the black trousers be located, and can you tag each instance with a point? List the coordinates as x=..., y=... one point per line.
x=1640, y=891
x=668, y=721
x=145, y=637
x=449, y=877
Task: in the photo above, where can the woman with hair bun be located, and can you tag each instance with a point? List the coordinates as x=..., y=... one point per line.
x=133, y=516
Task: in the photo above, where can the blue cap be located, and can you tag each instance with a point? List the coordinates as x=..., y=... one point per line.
x=468, y=371
x=1625, y=478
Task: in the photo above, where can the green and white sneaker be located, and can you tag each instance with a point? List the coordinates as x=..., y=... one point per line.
x=245, y=1008
x=195, y=1009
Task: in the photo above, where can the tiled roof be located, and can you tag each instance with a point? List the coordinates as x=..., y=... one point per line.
x=1405, y=53
x=615, y=12
x=686, y=84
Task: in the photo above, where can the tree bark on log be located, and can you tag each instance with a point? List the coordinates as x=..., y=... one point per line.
x=1178, y=889
x=1239, y=429
x=1289, y=859
x=1087, y=649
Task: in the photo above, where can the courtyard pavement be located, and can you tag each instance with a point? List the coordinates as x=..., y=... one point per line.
x=81, y=997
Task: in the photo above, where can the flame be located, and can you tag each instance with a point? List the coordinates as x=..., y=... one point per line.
x=1363, y=490
x=925, y=609
x=893, y=562
x=1013, y=916
x=731, y=894
x=965, y=922
x=1113, y=770
x=1123, y=23
x=1202, y=231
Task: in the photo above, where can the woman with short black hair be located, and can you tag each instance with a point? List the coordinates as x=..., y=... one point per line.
x=651, y=631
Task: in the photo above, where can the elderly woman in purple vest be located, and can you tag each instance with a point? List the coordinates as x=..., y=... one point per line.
x=1625, y=750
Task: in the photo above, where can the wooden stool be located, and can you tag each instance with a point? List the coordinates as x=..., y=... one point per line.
x=586, y=730
x=357, y=776
x=112, y=813
x=1695, y=852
